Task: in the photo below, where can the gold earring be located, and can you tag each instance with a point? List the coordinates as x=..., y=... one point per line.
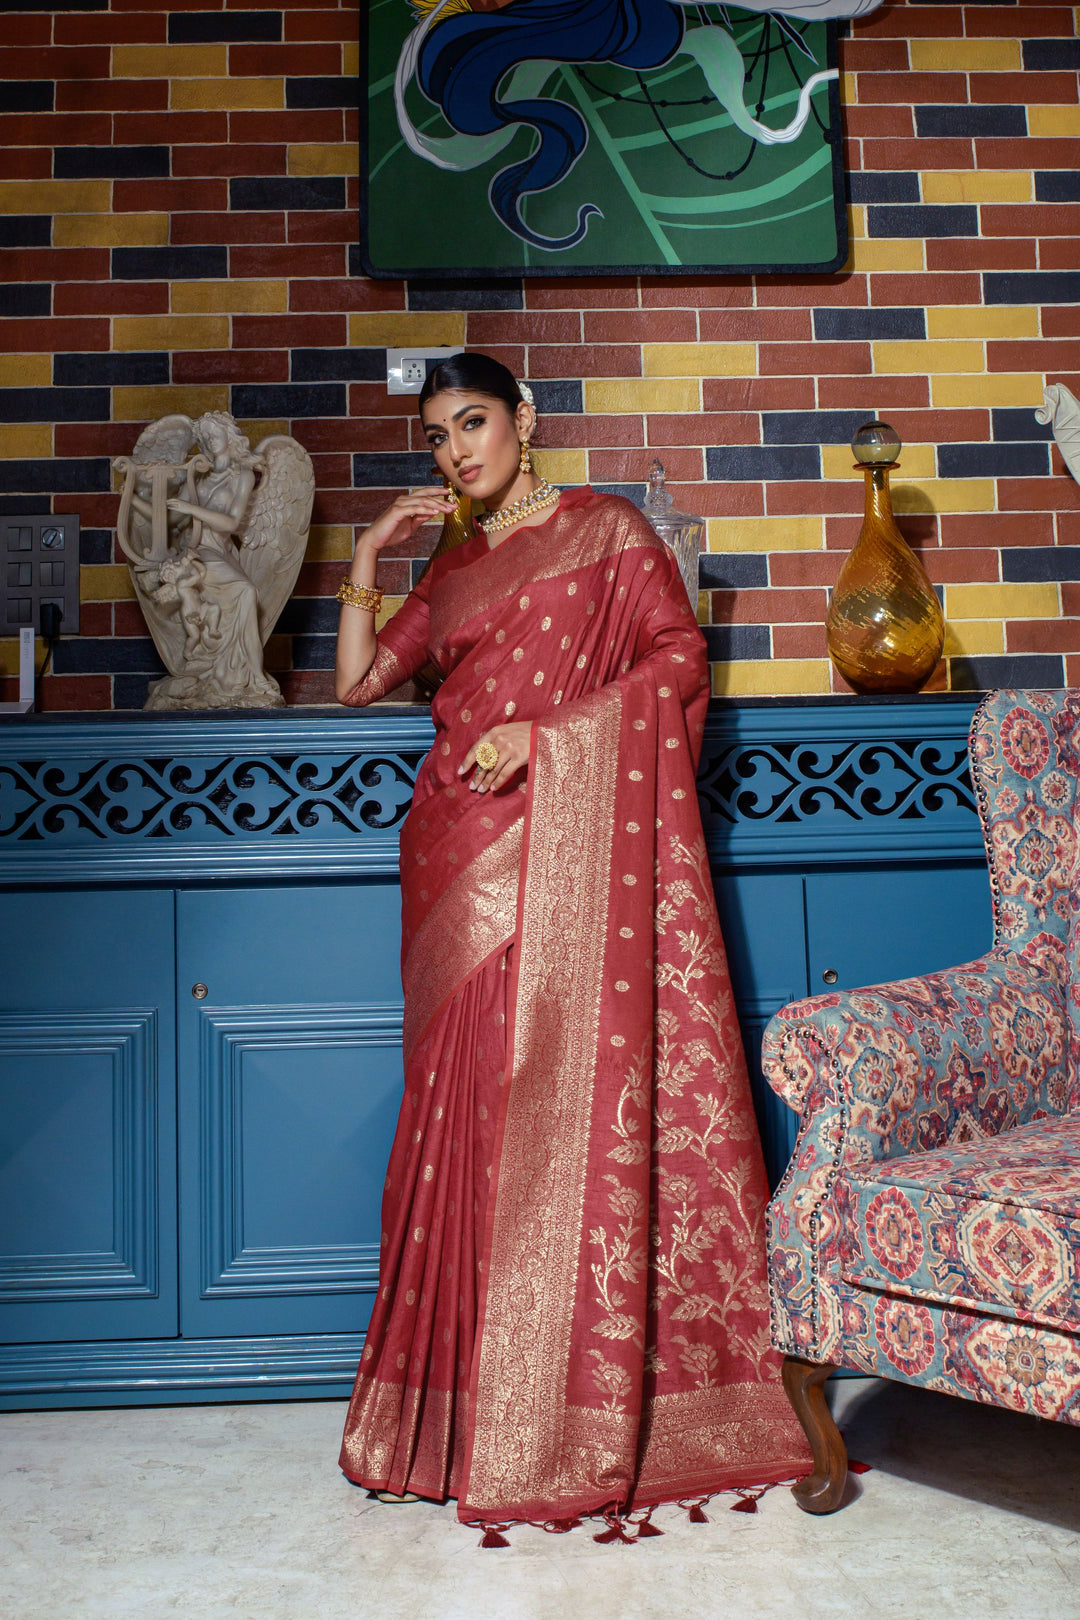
x=525, y=464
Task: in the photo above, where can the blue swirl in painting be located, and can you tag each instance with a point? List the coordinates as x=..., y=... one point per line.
x=483, y=63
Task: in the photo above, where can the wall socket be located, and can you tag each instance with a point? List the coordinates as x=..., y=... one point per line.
x=407, y=369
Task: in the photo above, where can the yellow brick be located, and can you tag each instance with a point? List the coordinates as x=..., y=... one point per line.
x=983, y=321
x=328, y=542
x=1002, y=602
x=390, y=605
x=964, y=55
x=995, y=388
x=170, y=61
x=226, y=95
x=977, y=186
x=105, y=582
x=637, y=394
x=143, y=404
x=942, y=495
x=969, y=638
x=111, y=230
x=923, y=358
x=857, y=221
x=229, y=297
x=765, y=534
x=374, y=330
x=562, y=466
x=9, y=655
x=883, y=253
x=699, y=359
x=350, y=60
x=916, y=461
x=325, y=159
x=25, y=370
x=19, y=439
x=849, y=93
x=55, y=196
x=170, y=332
x=1048, y=123
x=782, y=677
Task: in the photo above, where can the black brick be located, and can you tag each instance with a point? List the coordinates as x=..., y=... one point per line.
x=356, y=261
x=170, y=263
x=885, y=186
x=727, y=641
x=1051, y=56
x=732, y=570
x=338, y=365
x=378, y=469
x=634, y=493
x=941, y=123
x=17, y=505
x=1057, y=185
x=269, y=195
x=925, y=219
x=811, y=427
x=95, y=545
x=309, y=615
x=110, y=162
x=478, y=293
x=55, y=405
x=314, y=652
x=26, y=230
x=866, y=325
x=92, y=474
x=752, y=462
x=210, y=27
x=97, y=655
x=321, y=92
x=1040, y=562
x=27, y=95
x=998, y=460
x=1009, y=423
x=1031, y=287
x=289, y=399
x=1031, y=670
x=26, y=298
x=558, y=398
x=129, y=691
x=108, y=370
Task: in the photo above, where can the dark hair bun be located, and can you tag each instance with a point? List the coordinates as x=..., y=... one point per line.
x=473, y=373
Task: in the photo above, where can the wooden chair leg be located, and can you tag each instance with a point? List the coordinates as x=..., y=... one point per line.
x=804, y=1382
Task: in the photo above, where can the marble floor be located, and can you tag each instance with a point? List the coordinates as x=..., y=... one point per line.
x=239, y=1513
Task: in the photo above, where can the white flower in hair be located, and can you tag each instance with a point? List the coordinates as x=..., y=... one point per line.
x=526, y=393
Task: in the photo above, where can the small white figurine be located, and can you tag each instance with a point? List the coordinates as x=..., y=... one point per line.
x=215, y=534
x=1062, y=410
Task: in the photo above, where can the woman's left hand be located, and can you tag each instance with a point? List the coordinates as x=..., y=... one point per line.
x=512, y=741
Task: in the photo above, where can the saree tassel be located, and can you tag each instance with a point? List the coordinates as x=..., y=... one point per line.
x=493, y=1536
x=745, y=1504
x=558, y=1527
x=616, y=1531
x=695, y=1511
x=645, y=1526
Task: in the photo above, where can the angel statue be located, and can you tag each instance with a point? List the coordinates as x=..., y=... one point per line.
x=214, y=534
x=1061, y=410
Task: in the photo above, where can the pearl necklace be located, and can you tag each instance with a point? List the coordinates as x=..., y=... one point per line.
x=503, y=516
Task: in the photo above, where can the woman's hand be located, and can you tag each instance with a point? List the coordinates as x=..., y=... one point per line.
x=404, y=516
x=512, y=741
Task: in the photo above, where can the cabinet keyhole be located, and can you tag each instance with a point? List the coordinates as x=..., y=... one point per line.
x=200, y=992
x=830, y=976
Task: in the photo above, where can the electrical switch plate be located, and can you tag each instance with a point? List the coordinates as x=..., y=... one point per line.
x=407, y=369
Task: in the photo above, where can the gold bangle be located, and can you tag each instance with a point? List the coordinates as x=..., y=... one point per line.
x=361, y=596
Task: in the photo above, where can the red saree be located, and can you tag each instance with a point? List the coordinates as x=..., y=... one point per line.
x=572, y=1313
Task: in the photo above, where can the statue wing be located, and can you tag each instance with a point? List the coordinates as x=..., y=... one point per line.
x=1061, y=409
x=171, y=438
x=274, y=535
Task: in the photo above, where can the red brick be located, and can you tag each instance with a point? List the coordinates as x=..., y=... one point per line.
x=105, y=28
x=966, y=253
x=231, y=366
x=357, y=293
x=631, y=466
x=727, y=500
x=926, y=153
x=1059, y=253
x=229, y=159
x=203, y=229
x=352, y=123
x=521, y=326
x=170, y=196
x=913, y=88
x=961, y=565
x=26, y=29
x=1000, y=22
x=108, y=95
x=999, y=152
x=1049, y=89
x=96, y=618
x=871, y=393
x=1038, y=494
x=688, y=292
x=129, y=619
x=1028, y=354
x=94, y=511
x=1034, y=219
x=873, y=55
x=916, y=22
x=155, y=129
x=270, y=61
x=288, y=124
x=111, y=298
x=50, y=336
x=332, y=471
x=28, y=163
x=1070, y=599
x=54, y=264
x=902, y=288
x=353, y=433
x=570, y=292
x=57, y=129
x=1068, y=529
x=941, y=427
x=56, y=62
x=58, y=693
x=95, y=439
x=880, y=122
x=589, y=432
x=769, y=606
x=289, y=331
x=719, y=427
x=1072, y=671
x=776, y=325
x=587, y=360
x=322, y=24
x=758, y=393
x=810, y=359
x=310, y=259
x=1061, y=320
x=813, y=499
x=1042, y=635
x=802, y=568
x=798, y=640
x=801, y=292
x=641, y=326
x=322, y=225
x=996, y=529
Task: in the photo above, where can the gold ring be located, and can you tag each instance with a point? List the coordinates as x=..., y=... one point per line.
x=487, y=756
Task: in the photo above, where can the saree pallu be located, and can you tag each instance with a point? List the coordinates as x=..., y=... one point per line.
x=572, y=1312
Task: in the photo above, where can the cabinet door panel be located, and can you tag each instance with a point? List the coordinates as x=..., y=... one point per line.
x=290, y=1087
x=87, y=1117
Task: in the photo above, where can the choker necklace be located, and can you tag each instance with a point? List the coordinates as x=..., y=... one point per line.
x=503, y=516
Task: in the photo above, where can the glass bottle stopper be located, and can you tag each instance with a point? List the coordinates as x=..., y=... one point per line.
x=876, y=444
x=657, y=498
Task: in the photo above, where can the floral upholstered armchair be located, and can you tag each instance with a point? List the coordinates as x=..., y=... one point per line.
x=928, y=1225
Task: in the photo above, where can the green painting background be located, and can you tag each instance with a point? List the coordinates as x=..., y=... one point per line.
x=781, y=212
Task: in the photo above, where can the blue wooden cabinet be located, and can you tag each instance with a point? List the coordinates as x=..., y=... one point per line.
x=200, y=1006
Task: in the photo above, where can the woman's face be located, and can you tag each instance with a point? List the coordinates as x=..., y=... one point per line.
x=476, y=441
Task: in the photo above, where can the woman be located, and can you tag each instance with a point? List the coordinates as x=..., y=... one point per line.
x=572, y=1310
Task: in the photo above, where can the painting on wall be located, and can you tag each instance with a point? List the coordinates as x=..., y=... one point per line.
x=541, y=137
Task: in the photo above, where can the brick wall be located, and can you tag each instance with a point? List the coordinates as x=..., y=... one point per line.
x=178, y=196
